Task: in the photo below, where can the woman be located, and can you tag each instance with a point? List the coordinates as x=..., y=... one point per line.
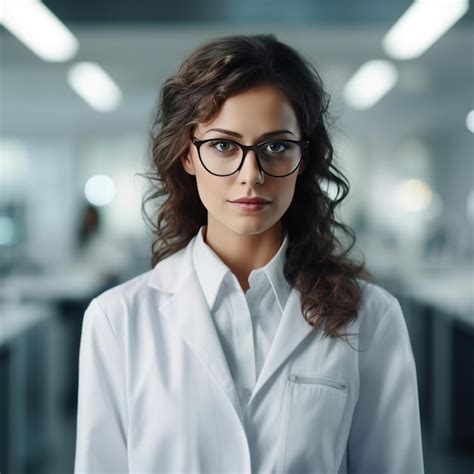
x=233, y=353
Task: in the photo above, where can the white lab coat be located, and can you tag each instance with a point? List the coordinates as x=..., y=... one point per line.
x=156, y=395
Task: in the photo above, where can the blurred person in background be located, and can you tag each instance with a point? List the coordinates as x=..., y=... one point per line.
x=97, y=253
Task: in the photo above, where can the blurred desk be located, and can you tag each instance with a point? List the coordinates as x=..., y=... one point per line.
x=61, y=285
x=16, y=319
x=451, y=290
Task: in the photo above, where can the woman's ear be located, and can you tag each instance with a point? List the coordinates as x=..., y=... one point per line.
x=188, y=164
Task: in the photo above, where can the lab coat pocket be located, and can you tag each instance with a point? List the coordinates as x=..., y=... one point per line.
x=313, y=412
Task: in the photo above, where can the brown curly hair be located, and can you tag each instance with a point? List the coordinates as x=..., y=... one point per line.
x=316, y=263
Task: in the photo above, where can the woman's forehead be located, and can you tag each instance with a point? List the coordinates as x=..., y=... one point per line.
x=255, y=112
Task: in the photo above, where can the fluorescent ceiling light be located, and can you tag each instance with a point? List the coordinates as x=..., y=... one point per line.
x=370, y=83
x=95, y=86
x=38, y=29
x=421, y=25
x=470, y=121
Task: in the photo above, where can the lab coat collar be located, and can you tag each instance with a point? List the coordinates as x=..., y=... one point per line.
x=187, y=310
x=211, y=271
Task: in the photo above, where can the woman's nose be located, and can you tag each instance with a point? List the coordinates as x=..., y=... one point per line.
x=250, y=169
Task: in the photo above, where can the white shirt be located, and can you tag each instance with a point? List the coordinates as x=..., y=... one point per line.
x=246, y=322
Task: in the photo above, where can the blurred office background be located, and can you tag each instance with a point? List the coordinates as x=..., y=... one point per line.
x=79, y=86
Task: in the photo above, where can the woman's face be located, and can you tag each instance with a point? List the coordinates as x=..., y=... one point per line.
x=252, y=113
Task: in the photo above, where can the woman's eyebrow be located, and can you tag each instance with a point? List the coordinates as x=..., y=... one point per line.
x=238, y=135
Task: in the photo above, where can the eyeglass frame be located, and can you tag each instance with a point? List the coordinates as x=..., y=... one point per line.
x=303, y=144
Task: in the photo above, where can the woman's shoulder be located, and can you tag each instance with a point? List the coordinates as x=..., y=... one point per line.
x=126, y=290
x=376, y=303
x=122, y=295
x=374, y=298
x=147, y=291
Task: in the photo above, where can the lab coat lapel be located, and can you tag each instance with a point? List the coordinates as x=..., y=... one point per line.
x=187, y=310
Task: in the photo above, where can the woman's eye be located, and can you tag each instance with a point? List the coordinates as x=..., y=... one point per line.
x=222, y=145
x=276, y=147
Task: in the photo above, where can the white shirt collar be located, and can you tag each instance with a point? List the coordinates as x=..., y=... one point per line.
x=211, y=271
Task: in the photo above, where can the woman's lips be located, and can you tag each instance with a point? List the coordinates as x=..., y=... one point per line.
x=257, y=206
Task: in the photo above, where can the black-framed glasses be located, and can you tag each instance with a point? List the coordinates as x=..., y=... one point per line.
x=276, y=157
